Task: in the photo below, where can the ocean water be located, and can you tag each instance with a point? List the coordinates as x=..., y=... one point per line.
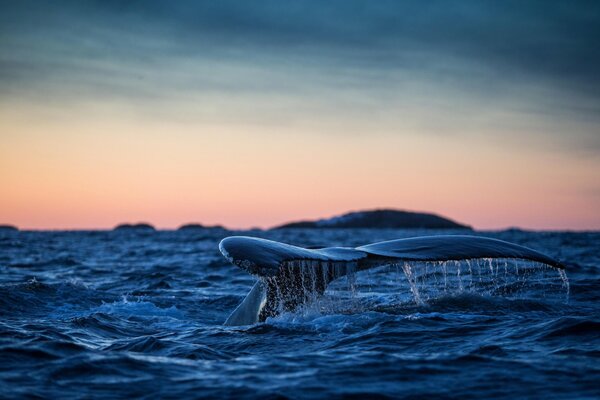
x=126, y=314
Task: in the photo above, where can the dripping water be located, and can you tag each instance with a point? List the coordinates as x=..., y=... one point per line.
x=406, y=267
x=309, y=286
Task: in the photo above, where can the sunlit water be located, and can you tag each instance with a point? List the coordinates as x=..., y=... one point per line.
x=118, y=314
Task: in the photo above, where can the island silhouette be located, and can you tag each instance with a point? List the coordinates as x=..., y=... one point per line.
x=385, y=218
x=379, y=219
x=197, y=226
x=142, y=226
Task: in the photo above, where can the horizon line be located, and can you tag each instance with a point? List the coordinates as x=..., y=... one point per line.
x=258, y=228
x=252, y=227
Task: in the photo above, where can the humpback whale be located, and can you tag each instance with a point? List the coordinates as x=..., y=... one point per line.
x=290, y=276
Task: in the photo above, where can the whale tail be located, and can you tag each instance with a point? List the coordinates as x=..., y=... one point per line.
x=290, y=276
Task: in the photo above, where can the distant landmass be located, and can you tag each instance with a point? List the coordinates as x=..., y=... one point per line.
x=8, y=228
x=135, y=227
x=191, y=227
x=380, y=219
x=376, y=219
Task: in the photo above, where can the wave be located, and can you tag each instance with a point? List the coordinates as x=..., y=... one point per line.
x=137, y=323
x=572, y=327
x=139, y=308
x=64, y=261
x=35, y=297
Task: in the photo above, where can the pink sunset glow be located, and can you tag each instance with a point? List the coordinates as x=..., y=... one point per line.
x=117, y=122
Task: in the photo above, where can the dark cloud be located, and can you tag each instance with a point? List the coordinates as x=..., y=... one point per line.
x=481, y=44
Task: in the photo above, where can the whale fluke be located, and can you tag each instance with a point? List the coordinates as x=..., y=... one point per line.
x=264, y=257
x=454, y=247
x=290, y=275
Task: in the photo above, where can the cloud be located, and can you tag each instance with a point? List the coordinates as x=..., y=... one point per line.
x=550, y=40
x=533, y=56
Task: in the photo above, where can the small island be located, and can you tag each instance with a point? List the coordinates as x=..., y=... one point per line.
x=142, y=226
x=8, y=228
x=379, y=219
x=196, y=226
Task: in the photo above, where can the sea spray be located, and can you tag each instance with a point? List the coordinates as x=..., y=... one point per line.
x=309, y=286
x=429, y=280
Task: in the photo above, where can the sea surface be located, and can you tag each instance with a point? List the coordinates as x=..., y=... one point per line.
x=107, y=314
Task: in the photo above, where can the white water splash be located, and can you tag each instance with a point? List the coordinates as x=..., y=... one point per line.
x=399, y=283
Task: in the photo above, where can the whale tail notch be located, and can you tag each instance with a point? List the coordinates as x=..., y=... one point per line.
x=290, y=276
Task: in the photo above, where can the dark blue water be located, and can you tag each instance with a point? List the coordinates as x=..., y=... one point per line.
x=122, y=314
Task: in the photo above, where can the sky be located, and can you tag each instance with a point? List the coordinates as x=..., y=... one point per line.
x=252, y=114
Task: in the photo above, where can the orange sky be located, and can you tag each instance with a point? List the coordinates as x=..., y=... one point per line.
x=257, y=115
x=82, y=168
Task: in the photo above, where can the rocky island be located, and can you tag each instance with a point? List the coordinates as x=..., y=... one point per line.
x=135, y=227
x=380, y=219
x=196, y=226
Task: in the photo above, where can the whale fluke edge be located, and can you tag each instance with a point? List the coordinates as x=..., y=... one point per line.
x=291, y=275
